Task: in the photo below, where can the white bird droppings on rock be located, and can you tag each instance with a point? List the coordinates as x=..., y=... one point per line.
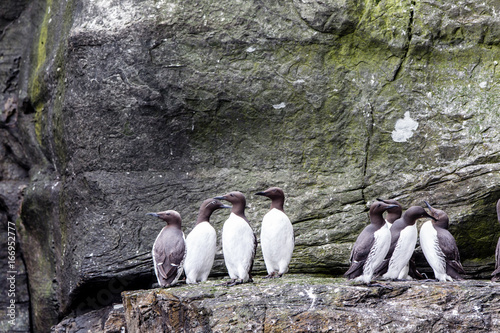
x=279, y=106
x=403, y=130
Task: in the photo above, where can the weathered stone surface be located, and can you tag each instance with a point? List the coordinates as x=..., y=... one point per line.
x=306, y=304
x=14, y=304
x=109, y=319
x=14, y=168
x=133, y=106
x=333, y=16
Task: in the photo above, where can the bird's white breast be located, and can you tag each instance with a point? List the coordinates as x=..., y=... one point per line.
x=378, y=251
x=277, y=240
x=403, y=251
x=432, y=251
x=201, y=246
x=237, y=243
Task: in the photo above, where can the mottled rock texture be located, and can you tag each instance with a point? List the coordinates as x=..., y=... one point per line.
x=14, y=169
x=108, y=319
x=298, y=304
x=128, y=106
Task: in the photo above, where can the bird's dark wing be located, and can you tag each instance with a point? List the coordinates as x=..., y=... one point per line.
x=253, y=257
x=382, y=268
x=413, y=272
x=169, y=253
x=497, y=260
x=450, y=251
x=359, y=254
x=394, y=241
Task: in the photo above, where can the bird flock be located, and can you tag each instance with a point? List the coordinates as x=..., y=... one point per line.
x=385, y=247
x=194, y=255
x=383, y=250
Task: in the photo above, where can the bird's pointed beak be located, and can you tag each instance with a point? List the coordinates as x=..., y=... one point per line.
x=261, y=193
x=428, y=205
x=391, y=206
x=431, y=209
x=222, y=197
x=152, y=214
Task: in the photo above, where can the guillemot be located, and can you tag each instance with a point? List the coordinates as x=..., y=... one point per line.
x=403, y=240
x=201, y=244
x=371, y=246
x=238, y=240
x=169, y=249
x=276, y=235
x=439, y=247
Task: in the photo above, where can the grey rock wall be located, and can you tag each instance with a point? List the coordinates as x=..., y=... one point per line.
x=14, y=170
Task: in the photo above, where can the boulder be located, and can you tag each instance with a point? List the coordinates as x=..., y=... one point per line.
x=312, y=304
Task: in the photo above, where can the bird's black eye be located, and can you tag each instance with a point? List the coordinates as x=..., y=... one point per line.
x=232, y=195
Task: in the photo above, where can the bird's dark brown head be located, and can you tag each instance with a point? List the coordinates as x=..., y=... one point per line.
x=412, y=214
x=171, y=217
x=271, y=193
x=276, y=195
x=207, y=208
x=237, y=199
x=439, y=217
x=379, y=207
x=393, y=213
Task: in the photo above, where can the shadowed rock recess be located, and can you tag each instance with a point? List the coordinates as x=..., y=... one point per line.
x=118, y=108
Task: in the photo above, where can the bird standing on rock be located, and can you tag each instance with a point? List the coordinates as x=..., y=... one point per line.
x=403, y=240
x=496, y=272
x=371, y=246
x=440, y=248
x=276, y=236
x=238, y=240
x=201, y=244
x=169, y=249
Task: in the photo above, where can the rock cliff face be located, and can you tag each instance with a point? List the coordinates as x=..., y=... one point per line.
x=125, y=107
x=14, y=168
x=301, y=304
x=317, y=305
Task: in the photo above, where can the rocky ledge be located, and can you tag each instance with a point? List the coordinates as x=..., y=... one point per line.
x=299, y=303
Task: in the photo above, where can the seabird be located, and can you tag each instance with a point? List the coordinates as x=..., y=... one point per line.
x=169, y=249
x=201, y=244
x=371, y=246
x=276, y=235
x=238, y=240
x=403, y=240
x=440, y=248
